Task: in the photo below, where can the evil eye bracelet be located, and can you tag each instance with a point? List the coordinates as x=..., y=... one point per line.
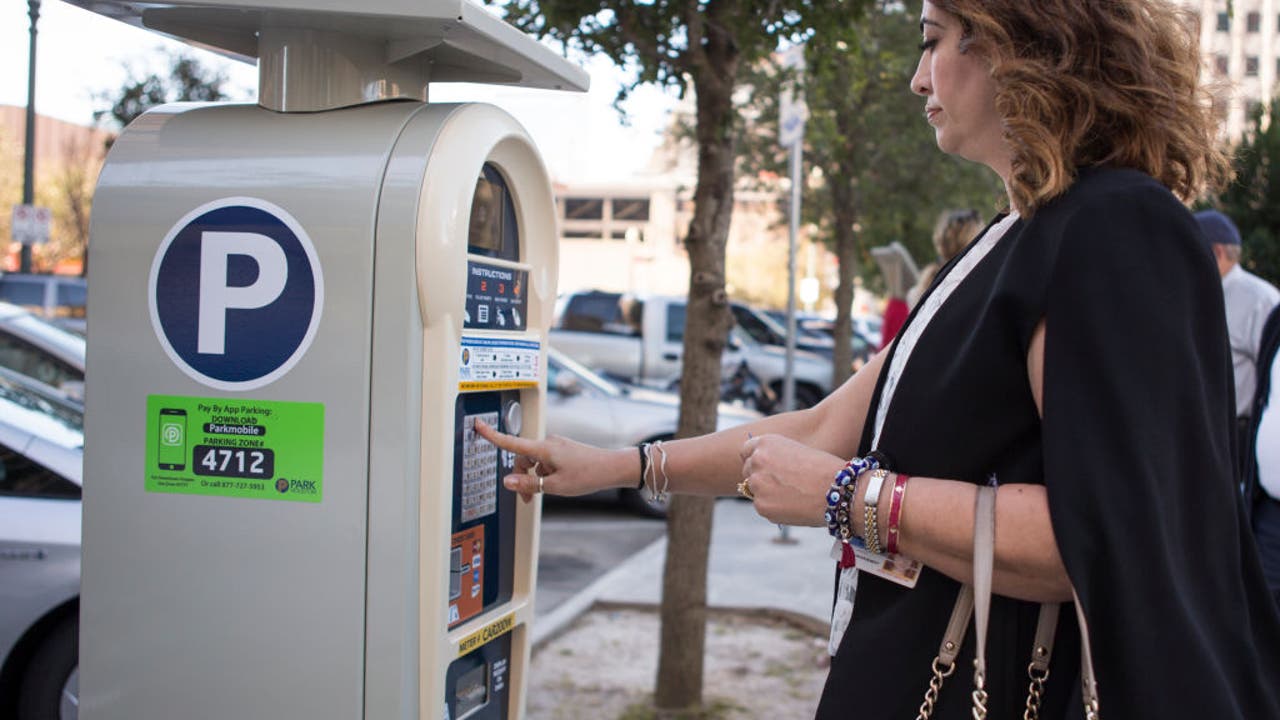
x=840, y=496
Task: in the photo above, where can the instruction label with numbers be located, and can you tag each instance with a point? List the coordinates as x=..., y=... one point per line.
x=262, y=449
x=497, y=364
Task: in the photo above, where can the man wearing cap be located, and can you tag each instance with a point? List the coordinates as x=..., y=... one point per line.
x=1249, y=299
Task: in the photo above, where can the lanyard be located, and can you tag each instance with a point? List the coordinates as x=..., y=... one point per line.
x=910, y=334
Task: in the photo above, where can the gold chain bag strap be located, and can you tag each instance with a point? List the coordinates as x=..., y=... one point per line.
x=978, y=597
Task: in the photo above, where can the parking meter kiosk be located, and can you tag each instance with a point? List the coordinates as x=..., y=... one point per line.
x=300, y=310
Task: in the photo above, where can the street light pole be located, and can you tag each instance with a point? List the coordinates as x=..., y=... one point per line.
x=28, y=166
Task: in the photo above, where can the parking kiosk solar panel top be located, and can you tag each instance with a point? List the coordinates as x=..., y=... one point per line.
x=458, y=40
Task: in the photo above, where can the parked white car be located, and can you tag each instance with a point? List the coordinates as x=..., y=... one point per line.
x=641, y=340
x=33, y=347
x=41, y=458
x=585, y=407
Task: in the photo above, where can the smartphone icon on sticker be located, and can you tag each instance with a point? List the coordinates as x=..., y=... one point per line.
x=173, y=439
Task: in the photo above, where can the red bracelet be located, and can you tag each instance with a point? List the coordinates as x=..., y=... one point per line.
x=895, y=512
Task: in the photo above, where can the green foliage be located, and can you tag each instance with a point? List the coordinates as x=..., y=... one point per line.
x=866, y=132
x=187, y=80
x=1253, y=198
x=655, y=38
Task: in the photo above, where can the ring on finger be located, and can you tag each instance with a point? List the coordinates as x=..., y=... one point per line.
x=744, y=489
x=534, y=471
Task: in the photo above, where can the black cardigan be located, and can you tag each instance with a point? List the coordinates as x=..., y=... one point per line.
x=1134, y=448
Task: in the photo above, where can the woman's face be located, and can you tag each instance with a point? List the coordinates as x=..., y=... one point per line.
x=960, y=97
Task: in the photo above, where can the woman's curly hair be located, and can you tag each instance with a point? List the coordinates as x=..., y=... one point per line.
x=1082, y=83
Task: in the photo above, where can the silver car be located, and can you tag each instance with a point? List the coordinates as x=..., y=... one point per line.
x=33, y=347
x=585, y=407
x=41, y=456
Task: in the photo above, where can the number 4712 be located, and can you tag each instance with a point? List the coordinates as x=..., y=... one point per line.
x=219, y=460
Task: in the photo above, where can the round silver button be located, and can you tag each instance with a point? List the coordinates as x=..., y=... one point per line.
x=513, y=416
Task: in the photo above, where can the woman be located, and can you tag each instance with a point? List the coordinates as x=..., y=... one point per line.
x=953, y=230
x=1076, y=354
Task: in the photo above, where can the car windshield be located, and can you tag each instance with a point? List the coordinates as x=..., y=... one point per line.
x=777, y=319
x=27, y=406
x=68, y=344
x=559, y=362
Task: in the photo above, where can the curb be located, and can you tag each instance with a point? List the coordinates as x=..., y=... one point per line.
x=558, y=621
x=554, y=623
x=797, y=620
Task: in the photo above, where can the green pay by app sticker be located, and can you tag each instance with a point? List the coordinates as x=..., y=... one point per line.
x=262, y=449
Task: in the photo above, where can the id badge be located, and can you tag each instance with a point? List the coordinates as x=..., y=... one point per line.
x=894, y=568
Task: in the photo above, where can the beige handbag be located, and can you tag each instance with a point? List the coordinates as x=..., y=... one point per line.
x=975, y=600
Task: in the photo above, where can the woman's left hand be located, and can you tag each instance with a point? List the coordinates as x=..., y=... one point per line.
x=787, y=480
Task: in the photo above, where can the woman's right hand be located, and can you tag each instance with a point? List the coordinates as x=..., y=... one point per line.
x=556, y=465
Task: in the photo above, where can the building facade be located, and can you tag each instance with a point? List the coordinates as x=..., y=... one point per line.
x=1241, y=47
x=628, y=235
x=621, y=236
x=58, y=142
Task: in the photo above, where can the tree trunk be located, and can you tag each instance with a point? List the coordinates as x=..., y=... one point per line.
x=846, y=215
x=844, y=162
x=707, y=325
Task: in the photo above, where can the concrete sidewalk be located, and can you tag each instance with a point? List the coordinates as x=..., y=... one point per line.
x=747, y=570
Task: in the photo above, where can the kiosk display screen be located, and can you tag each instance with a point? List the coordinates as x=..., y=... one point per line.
x=485, y=230
x=493, y=230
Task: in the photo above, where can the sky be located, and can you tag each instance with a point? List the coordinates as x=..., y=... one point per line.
x=81, y=54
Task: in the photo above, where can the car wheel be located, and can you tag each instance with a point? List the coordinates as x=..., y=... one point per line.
x=51, y=684
x=638, y=501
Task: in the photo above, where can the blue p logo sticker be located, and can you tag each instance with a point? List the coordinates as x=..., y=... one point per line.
x=235, y=293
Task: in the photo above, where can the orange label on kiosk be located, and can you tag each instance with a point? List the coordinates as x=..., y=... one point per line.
x=466, y=575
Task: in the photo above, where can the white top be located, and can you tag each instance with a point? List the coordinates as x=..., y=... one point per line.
x=910, y=334
x=1249, y=299
x=1268, y=444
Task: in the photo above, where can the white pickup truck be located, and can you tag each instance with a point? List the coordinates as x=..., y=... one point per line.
x=640, y=339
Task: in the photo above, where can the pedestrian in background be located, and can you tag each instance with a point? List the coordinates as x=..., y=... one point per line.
x=952, y=232
x=1248, y=299
x=891, y=320
x=1061, y=357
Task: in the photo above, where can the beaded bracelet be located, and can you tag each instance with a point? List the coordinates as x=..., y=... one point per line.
x=839, y=525
x=840, y=496
x=895, y=513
